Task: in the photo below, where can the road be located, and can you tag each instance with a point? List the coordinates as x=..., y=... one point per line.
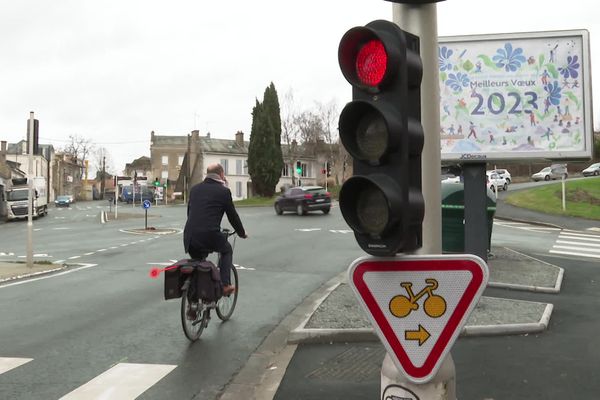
x=108, y=320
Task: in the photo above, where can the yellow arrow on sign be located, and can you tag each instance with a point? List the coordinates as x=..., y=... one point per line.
x=421, y=335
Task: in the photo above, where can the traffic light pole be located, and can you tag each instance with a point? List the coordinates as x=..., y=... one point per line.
x=421, y=20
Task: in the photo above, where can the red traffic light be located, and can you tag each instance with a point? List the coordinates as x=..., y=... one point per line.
x=371, y=63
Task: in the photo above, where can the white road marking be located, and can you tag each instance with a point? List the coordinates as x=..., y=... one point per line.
x=246, y=268
x=103, y=249
x=61, y=228
x=580, y=237
x=574, y=254
x=7, y=254
x=58, y=261
x=8, y=363
x=84, y=266
x=594, y=229
x=340, y=231
x=583, y=249
x=124, y=245
x=307, y=229
x=90, y=253
x=578, y=243
x=73, y=258
x=122, y=382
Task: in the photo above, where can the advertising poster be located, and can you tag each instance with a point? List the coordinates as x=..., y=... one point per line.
x=517, y=96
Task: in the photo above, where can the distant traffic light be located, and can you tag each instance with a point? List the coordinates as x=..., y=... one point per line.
x=328, y=168
x=299, y=168
x=156, y=182
x=381, y=129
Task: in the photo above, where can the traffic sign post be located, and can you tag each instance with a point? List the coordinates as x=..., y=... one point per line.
x=418, y=305
x=146, y=204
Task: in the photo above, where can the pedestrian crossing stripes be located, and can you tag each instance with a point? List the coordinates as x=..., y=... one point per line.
x=8, y=363
x=575, y=243
x=527, y=227
x=123, y=381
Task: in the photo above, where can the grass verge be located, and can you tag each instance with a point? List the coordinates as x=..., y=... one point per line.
x=255, y=201
x=582, y=198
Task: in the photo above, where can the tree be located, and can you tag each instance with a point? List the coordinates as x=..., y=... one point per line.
x=265, y=159
x=79, y=148
x=290, y=132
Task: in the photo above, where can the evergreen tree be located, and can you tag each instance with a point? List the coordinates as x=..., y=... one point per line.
x=265, y=160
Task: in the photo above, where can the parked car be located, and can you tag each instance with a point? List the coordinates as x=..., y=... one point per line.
x=555, y=171
x=503, y=173
x=592, y=170
x=303, y=199
x=62, y=201
x=494, y=181
x=449, y=178
x=127, y=194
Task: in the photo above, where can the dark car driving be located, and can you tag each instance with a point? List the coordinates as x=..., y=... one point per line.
x=303, y=199
x=63, y=201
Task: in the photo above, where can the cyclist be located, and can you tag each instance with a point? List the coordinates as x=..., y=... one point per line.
x=207, y=203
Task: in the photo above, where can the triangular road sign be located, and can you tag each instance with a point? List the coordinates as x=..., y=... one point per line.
x=418, y=304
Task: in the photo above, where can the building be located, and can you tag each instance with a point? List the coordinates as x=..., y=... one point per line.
x=180, y=161
x=18, y=153
x=67, y=175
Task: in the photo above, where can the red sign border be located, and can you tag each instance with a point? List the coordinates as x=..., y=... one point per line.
x=419, y=264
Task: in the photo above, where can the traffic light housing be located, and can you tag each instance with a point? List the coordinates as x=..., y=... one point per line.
x=156, y=182
x=328, y=169
x=299, y=168
x=381, y=130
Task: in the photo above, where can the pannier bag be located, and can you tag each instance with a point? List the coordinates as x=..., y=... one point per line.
x=208, y=281
x=206, y=274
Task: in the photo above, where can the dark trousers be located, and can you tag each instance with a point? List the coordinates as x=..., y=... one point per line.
x=208, y=242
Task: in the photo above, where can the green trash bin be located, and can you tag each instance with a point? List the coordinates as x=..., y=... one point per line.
x=453, y=217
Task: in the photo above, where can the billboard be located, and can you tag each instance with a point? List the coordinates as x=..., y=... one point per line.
x=515, y=96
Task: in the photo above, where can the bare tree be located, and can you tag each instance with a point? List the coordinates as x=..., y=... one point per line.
x=310, y=127
x=289, y=131
x=79, y=147
x=100, y=155
x=329, y=116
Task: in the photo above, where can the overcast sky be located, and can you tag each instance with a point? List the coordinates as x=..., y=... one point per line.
x=112, y=71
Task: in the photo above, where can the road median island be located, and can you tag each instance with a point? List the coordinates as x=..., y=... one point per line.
x=13, y=270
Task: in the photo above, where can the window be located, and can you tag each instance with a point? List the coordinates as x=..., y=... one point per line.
x=306, y=172
x=164, y=174
x=165, y=160
x=245, y=167
x=238, y=167
x=286, y=170
x=238, y=189
x=180, y=160
x=225, y=164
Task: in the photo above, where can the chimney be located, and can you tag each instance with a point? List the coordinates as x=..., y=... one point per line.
x=152, y=137
x=3, y=152
x=239, y=138
x=208, y=135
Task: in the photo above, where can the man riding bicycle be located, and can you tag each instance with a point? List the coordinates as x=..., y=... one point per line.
x=207, y=203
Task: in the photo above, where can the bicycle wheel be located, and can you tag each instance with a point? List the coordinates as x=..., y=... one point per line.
x=192, y=328
x=226, y=304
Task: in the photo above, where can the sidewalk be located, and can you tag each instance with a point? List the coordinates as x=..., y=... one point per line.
x=332, y=352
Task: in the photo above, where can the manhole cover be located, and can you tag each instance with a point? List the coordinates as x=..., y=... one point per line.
x=357, y=363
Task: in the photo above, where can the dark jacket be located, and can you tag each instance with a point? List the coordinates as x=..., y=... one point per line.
x=208, y=202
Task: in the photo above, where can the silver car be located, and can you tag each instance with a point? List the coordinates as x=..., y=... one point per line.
x=592, y=170
x=555, y=171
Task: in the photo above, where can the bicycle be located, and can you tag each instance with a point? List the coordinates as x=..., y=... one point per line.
x=195, y=313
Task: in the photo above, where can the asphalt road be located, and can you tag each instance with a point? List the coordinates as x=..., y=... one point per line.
x=108, y=318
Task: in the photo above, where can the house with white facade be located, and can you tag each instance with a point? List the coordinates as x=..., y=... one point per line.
x=181, y=161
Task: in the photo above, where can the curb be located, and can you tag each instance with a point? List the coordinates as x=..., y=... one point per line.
x=531, y=288
x=301, y=335
x=31, y=275
x=260, y=377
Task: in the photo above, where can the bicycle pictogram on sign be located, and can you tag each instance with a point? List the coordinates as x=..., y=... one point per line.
x=434, y=306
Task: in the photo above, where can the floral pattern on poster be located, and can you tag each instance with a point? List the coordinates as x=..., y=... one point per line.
x=508, y=96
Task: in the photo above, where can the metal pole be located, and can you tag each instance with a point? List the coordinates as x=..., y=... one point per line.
x=166, y=189
x=30, y=193
x=421, y=20
x=564, y=199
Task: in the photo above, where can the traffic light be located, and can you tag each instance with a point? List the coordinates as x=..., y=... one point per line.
x=381, y=130
x=156, y=182
x=328, y=168
x=299, y=168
